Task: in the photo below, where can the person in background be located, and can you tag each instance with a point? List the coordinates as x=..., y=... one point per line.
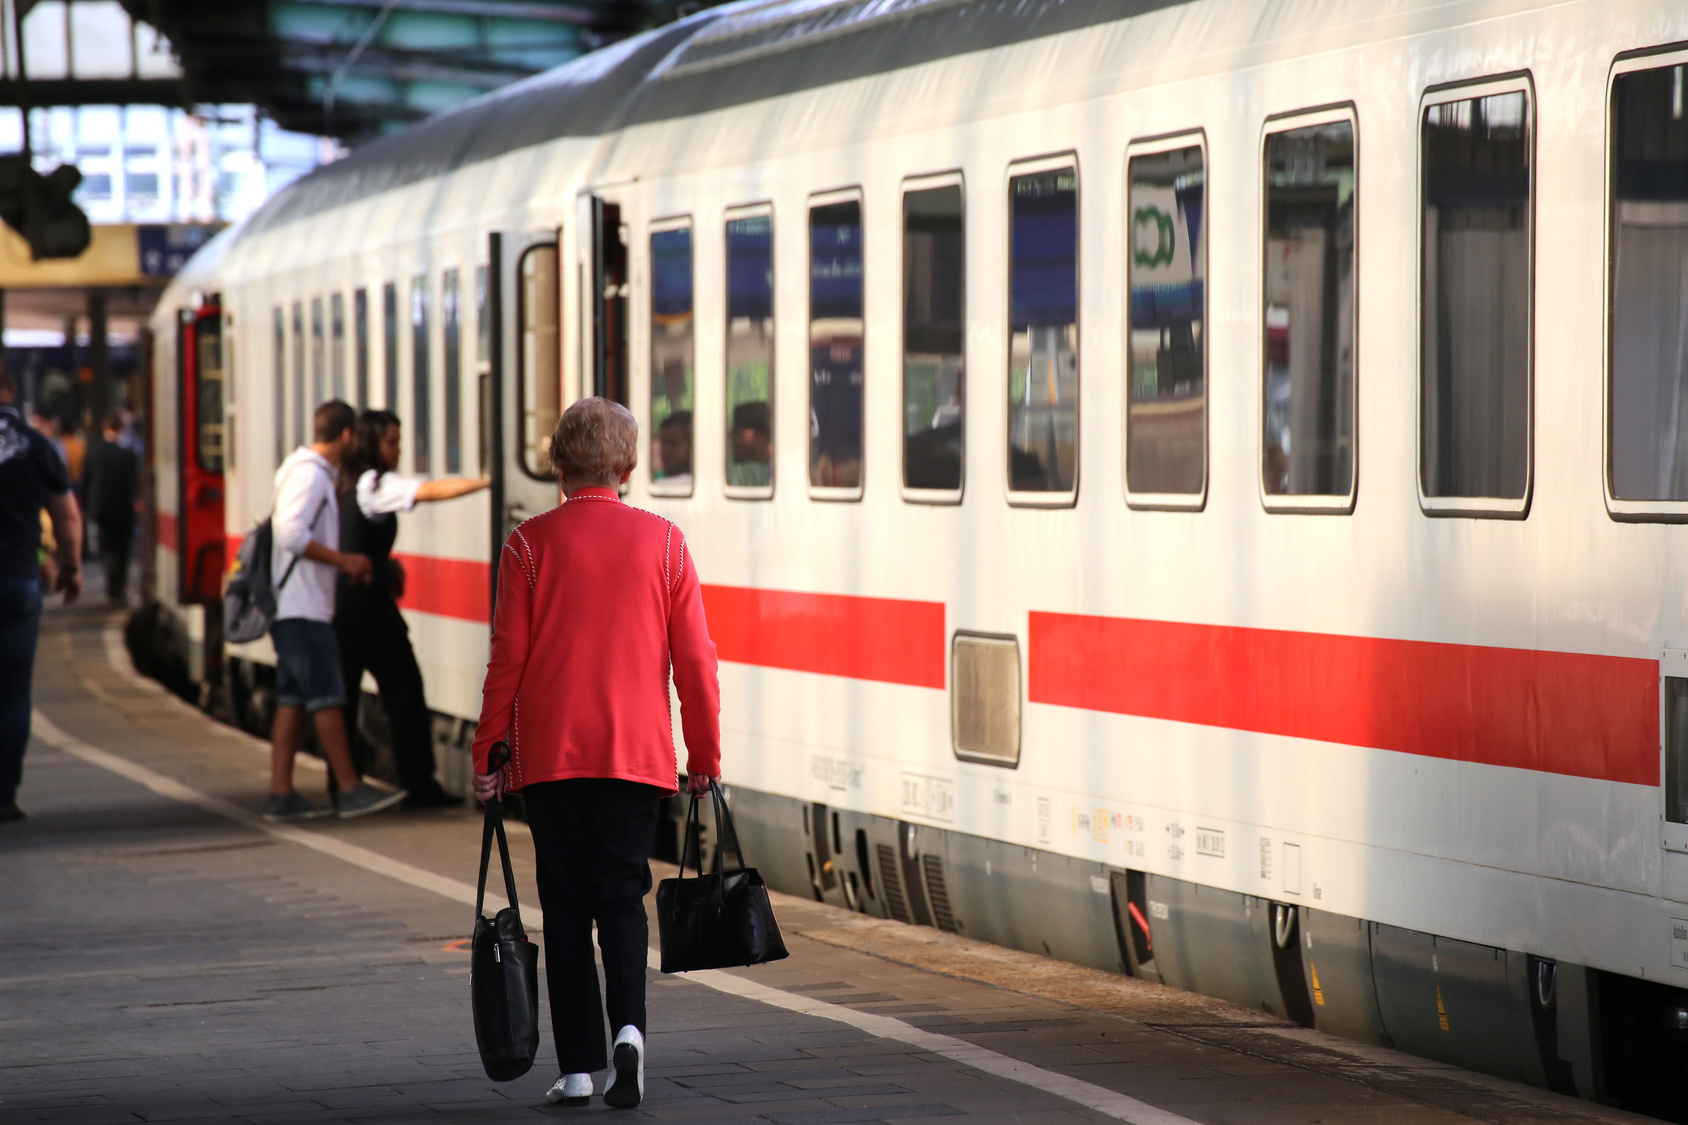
x=131, y=438
x=111, y=483
x=371, y=630
x=306, y=559
x=597, y=601
x=752, y=443
x=674, y=448
x=32, y=477
x=75, y=453
x=48, y=427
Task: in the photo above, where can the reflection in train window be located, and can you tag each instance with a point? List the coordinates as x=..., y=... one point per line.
x=1309, y=312
x=360, y=342
x=538, y=382
x=671, y=361
x=300, y=428
x=319, y=355
x=1474, y=406
x=278, y=370
x=337, y=345
x=1648, y=440
x=750, y=352
x=835, y=345
x=451, y=363
x=1166, y=382
x=390, y=346
x=421, y=428
x=209, y=397
x=1043, y=331
x=483, y=378
x=934, y=367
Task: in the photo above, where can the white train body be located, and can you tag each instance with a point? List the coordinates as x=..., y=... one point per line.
x=1532, y=852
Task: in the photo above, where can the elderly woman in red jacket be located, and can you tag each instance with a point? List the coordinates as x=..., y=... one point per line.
x=596, y=602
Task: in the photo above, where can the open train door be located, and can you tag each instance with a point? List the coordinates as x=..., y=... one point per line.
x=524, y=302
x=200, y=536
x=605, y=300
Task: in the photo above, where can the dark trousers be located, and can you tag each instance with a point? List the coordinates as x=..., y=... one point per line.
x=374, y=637
x=20, y=624
x=592, y=839
x=116, y=542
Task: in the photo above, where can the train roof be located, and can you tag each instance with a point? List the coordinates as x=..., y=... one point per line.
x=719, y=58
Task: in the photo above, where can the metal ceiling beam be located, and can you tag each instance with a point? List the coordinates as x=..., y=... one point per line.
x=492, y=9
x=98, y=91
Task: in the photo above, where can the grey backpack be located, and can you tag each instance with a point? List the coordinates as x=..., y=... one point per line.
x=250, y=596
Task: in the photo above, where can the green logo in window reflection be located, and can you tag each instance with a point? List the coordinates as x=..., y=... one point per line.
x=1147, y=222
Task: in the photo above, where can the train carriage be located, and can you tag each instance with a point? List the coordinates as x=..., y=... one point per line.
x=1187, y=488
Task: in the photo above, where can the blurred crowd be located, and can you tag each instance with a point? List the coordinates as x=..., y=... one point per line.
x=104, y=468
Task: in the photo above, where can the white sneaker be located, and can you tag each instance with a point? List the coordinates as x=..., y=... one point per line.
x=628, y=1087
x=571, y=1089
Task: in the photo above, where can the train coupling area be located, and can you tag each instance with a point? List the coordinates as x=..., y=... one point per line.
x=167, y=955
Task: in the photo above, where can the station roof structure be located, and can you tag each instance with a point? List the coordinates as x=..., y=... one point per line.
x=349, y=69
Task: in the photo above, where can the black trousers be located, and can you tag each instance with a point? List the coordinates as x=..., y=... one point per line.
x=116, y=540
x=592, y=839
x=374, y=637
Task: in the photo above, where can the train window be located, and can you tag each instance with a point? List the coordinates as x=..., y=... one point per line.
x=1307, y=459
x=337, y=344
x=421, y=429
x=360, y=345
x=671, y=359
x=318, y=356
x=539, y=382
x=390, y=346
x=1166, y=343
x=934, y=318
x=278, y=369
x=1647, y=412
x=209, y=397
x=1043, y=333
x=750, y=353
x=300, y=428
x=1474, y=351
x=451, y=371
x=1676, y=749
x=985, y=698
x=835, y=347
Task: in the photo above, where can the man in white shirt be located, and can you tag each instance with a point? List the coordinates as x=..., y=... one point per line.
x=307, y=560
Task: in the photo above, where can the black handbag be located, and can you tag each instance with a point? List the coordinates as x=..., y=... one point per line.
x=721, y=920
x=503, y=963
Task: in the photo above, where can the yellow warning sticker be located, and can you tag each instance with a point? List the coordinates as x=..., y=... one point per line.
x=1441, y=1012
x=1318, y=993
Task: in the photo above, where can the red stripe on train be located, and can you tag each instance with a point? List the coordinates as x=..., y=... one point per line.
x=459, y=588
x=885, y=639
x=1558, y=712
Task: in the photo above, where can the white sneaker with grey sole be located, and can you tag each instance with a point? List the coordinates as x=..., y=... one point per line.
x=571, y=1090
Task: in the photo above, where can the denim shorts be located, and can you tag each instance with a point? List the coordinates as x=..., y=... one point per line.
x=307, y=664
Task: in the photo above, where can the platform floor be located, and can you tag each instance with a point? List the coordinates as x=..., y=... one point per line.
x=167, y=956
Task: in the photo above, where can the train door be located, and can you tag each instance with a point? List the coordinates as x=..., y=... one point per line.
x=607, y=298
x=525, y=389
x=199, y=502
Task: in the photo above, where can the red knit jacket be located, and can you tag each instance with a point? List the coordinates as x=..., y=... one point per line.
x=596, y=602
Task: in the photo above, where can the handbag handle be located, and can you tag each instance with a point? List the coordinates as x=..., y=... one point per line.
x=724, y=829
x=494, y=825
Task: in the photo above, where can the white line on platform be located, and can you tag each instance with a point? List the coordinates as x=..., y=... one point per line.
x=50, y=733
x=1087, y=1094
x=1099, y=1098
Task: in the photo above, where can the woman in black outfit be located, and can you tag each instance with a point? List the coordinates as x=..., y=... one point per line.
x=372, y=632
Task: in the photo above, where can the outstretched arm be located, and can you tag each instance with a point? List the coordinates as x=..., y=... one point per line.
x=449, y=488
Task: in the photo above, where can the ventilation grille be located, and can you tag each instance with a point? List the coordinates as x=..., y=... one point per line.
x=942, y=916
x=985, y=698
x=891, y=884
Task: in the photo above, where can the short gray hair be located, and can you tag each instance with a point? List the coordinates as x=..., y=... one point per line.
x=596, y=441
